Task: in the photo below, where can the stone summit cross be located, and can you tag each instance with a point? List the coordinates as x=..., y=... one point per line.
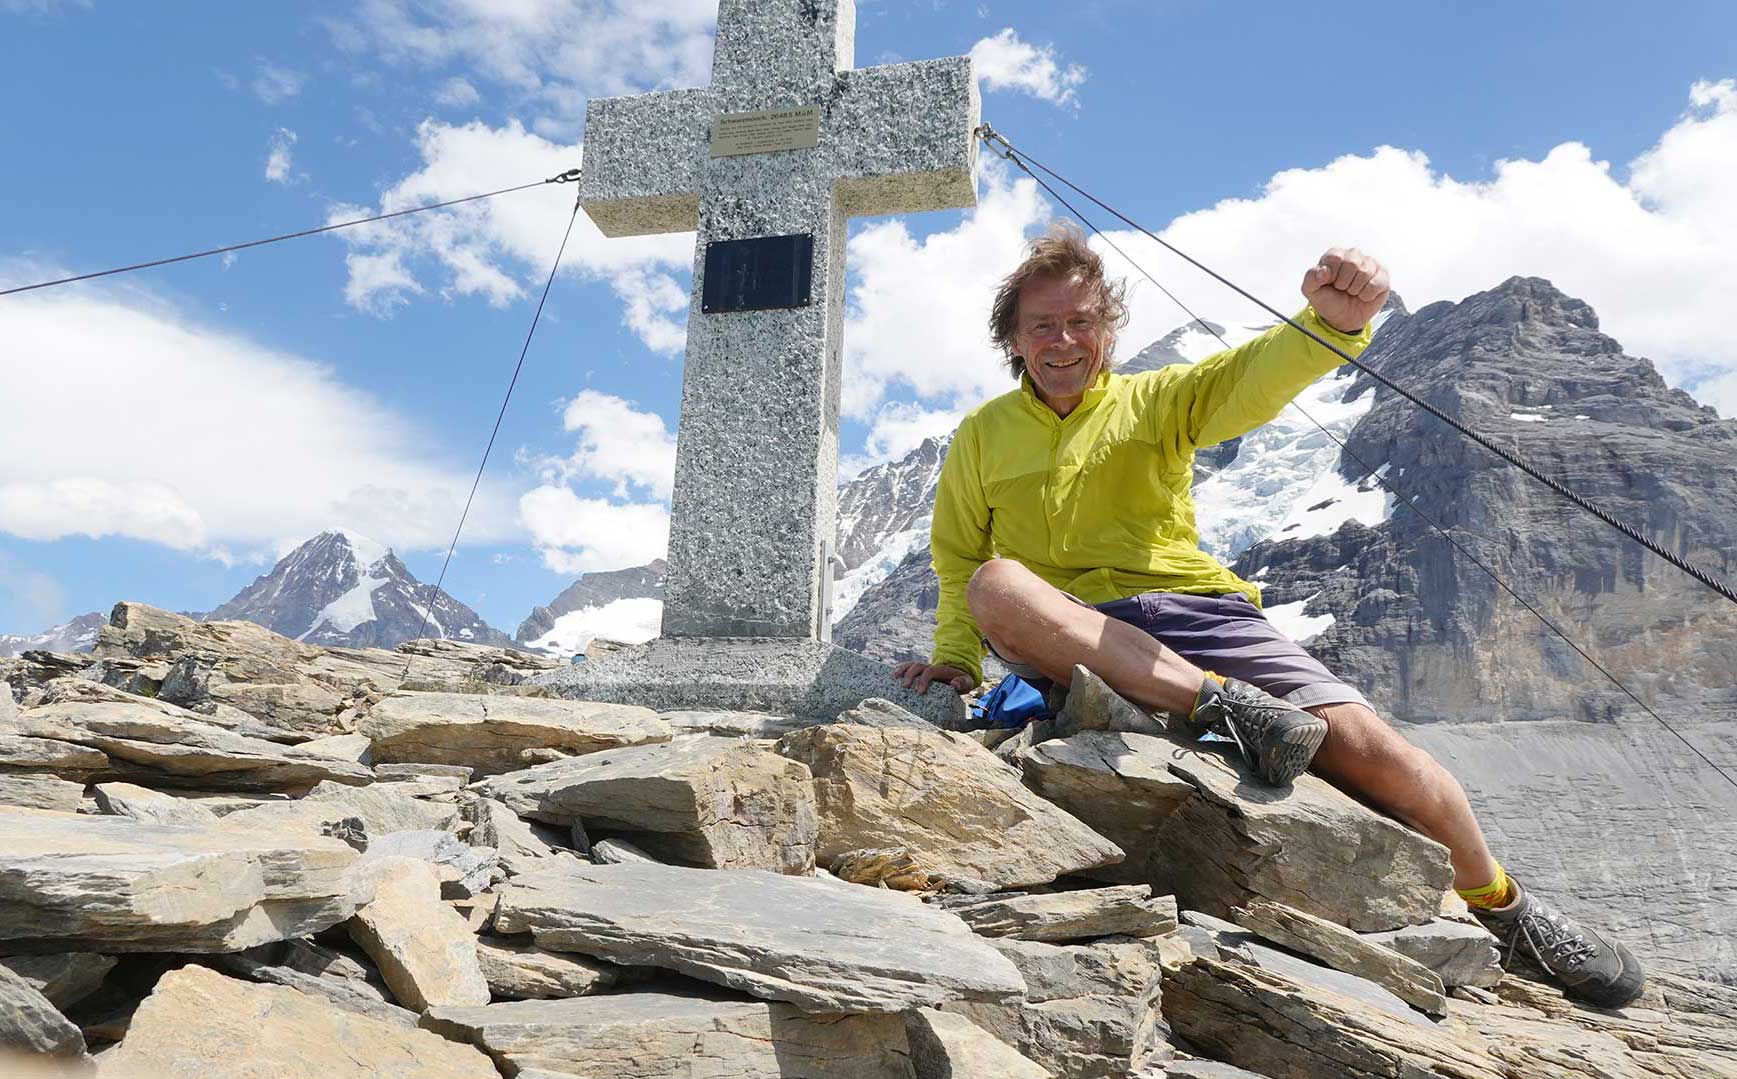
x=767, y=164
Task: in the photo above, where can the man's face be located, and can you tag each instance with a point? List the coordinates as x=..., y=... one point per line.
x=1061, y=334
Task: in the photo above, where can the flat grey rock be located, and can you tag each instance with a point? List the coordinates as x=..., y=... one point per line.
x=942, y=798
x=1090, y=1010
x=424, y=949
x=709, y=802
x=30, y=1024
x=41, y=792
x=1092, y=705
x=1118, y=783
x=1236, y=942
x=491, y=733
x=170, y=746
x=1307, y=846
x=24, y=753
x=811, y=680
x=113, y=884
x=949, y=1046
x=352, y=995
x=677, y=1035
x=464, y=870
x=1458, y=953
x=820, y=945
x=1343, y=950
x=382, y=808
x=1129, y=910
x=152, y=807
x=518, y=970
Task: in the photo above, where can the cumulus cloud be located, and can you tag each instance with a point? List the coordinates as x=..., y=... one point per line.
x=582, y=535
x=280, y=155
x=1005, y=62
x=1649, y=252
x=556, y=53
x=273, y=84
x=202, y=440
x=496, y=249
x=618, y=445
x=456, y=93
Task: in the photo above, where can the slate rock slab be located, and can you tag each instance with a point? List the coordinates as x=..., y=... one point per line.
x=678, y=1035
x=115, y=884
x=817, y=944
x=152, y=807
x=1129, y=910
x=516, y=970
x=702, y=801
x=490, y=733
x=41, y=792
x=1458, y=953
x=1346, y=951
x=382, y=809
x=1090, y=1011
x=169, y=746
x=944, y=798
x=30, y=1024
x=1307, y=846
x=1092, y=705
x=1119, y=783
x=423, y=947
x=949, y=1046
x=1273, y=1025
x=197, y=1022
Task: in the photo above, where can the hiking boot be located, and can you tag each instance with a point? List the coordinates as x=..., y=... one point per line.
x=1586, y=964
x=1277, y=739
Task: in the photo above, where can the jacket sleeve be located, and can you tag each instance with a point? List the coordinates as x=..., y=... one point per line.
x=1235, y=391
x=959, y=543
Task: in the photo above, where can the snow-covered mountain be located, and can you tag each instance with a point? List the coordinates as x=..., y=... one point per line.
x=618, y=605
x=78, y=635
x=343, y=589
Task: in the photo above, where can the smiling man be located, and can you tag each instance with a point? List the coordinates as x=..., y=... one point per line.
x=1064, y=535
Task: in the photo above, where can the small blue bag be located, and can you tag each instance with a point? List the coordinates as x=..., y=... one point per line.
x=1013, y=703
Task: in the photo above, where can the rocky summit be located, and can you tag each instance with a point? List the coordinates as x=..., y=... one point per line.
x=227, y=853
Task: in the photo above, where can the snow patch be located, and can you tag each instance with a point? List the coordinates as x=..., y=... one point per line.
x=350, y=609
x=1285, y=475
x=367, y=551
x=1526, y=417
x=1296, y=625
x=630, y=621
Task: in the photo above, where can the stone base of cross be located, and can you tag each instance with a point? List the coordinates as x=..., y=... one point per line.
x=766, y=165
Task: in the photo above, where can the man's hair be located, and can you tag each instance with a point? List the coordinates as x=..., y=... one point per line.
x=1062, y=253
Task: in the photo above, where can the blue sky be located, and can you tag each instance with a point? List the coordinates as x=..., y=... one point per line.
x=163, y=436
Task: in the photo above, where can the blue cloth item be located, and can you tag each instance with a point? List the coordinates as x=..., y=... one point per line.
x=1013, y=703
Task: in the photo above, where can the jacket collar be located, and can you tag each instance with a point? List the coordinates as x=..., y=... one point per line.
x=1094, y=394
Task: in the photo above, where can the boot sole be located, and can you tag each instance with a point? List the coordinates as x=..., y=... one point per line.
x=1292, y=749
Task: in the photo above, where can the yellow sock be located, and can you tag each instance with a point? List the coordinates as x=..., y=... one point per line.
x=1497, y=893
x=1219, y=678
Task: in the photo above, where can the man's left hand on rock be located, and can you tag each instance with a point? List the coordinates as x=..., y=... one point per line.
x=1346, y=288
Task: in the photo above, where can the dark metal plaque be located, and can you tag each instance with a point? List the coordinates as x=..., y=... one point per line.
x=760, y=274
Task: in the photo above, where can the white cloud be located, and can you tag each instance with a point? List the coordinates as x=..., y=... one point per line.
x=456, y=93
x=1004, y=62
x=280, y=156
x=556, y=53
x=618, y=445
x=202, y=440
x=918, y=312
x=1650, y=253
x=30, y=598
x=498, y=248
x=273, y=84
x=581, y=535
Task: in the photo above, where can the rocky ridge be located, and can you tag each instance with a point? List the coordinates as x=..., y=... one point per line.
x=271, y=852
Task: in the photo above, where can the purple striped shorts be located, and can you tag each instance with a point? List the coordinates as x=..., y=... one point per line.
x=1229, y=636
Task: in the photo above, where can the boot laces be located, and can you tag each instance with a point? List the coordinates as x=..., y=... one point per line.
x=1545, y=931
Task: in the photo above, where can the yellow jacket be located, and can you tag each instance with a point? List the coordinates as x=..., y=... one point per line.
x=1098, y=503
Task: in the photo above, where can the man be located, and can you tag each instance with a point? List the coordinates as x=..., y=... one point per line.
x=1064, y=534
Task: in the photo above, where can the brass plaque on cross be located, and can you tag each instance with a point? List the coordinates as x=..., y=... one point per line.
x=762, y=132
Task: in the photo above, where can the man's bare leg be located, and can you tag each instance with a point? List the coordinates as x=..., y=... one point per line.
x=1368, y=759
x=1032, y=622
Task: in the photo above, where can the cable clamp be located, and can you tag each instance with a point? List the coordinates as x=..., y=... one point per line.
x=568, y=177
x=991, y=137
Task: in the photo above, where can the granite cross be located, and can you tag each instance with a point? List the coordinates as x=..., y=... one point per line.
x=767, y=164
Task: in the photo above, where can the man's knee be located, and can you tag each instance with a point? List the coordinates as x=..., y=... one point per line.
x=992, y=587
x=1364, y=748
